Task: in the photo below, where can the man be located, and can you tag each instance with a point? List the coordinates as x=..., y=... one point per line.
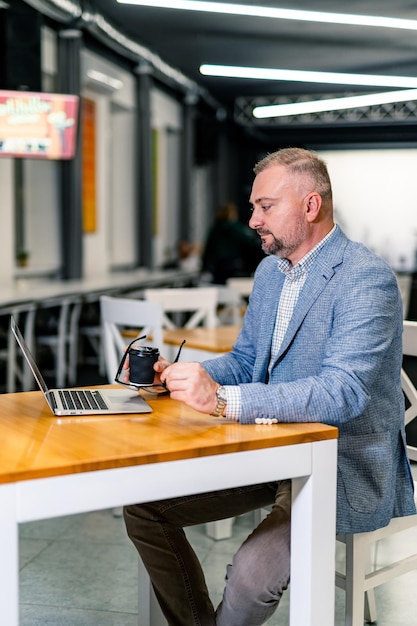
x=321, y=342
x=231, y=248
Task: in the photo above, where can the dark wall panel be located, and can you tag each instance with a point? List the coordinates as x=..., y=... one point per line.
x=20, y=47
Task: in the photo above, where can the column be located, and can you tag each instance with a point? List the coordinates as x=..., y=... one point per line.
x=69, y=50
x=187, y=165
x=144, y=210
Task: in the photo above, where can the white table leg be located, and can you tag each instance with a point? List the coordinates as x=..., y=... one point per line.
x=9, y=557
x=313, y=542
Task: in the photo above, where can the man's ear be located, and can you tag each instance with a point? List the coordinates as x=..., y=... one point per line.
x=313, y=206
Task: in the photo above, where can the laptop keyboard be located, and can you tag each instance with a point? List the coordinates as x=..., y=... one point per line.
x=82, y=399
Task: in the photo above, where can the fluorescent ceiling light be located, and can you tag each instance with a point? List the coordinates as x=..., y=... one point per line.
x=281, y=14
x=333, y=104
x=334, y=78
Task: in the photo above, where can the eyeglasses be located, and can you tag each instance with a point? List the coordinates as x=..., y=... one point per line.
x=152, y=388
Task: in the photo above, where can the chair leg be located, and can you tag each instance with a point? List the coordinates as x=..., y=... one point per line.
x=117, y=511
x=356, y=564
x=11, y=363
x=24, y=373
x=221, y=529
x=73, y=342
x=370, y=606
x=61, y=347
x=29, y=337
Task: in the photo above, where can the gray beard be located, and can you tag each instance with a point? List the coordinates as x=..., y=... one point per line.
x=282, y=248
x=279, y=248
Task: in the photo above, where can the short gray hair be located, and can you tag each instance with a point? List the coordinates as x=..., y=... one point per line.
x=300, y=161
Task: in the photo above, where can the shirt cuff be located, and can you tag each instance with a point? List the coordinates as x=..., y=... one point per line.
x=233, y=406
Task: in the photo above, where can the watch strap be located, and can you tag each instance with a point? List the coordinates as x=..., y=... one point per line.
x=221, y=403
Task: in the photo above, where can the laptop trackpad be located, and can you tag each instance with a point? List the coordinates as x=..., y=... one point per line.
x=124, y=400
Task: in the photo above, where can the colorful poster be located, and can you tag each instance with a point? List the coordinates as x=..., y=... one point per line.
x=38, y=125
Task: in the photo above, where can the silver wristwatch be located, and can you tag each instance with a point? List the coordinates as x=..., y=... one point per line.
x=221, y=402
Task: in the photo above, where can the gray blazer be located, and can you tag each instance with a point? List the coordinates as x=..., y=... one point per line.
x=339, y=364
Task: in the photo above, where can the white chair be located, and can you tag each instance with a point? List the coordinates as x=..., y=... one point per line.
x=242, y=284
x=17, y=370
x=229, y=306
x=90, y=330
x=60, y=334
x=119, y=314
x=404, y=284
x=410, y=350
x=359, y=580
x=186, y=307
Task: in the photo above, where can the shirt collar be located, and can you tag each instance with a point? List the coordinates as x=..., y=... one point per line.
x=302, y=267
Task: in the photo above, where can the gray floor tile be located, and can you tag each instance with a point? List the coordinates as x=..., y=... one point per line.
x=51, y=616
x=97, y=527
x=49, y=528
x=30, y=549
x=82, y=575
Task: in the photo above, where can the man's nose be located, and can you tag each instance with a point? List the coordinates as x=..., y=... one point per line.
x=254, y=221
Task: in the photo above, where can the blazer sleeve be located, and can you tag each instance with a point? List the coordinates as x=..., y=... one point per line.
x=342, y=349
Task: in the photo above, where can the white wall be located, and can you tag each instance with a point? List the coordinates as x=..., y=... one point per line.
x=166, y=120
x=41, y=202
x=112, y=243
x=122, y=193
x=375, y=200
x=203, y=203
x=7, y=236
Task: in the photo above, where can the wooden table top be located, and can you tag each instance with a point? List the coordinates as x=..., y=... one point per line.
x=218, y=339
x=36, y=444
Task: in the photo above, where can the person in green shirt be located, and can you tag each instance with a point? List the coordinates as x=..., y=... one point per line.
x=231, y=248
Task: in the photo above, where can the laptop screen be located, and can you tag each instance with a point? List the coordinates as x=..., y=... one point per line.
x=29, y=357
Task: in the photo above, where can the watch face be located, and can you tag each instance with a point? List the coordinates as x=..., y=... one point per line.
x=221, y=394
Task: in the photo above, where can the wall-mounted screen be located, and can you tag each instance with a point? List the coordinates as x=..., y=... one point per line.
x=38, y=125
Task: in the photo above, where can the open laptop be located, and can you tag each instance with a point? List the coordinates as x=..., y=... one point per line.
x=77, y=401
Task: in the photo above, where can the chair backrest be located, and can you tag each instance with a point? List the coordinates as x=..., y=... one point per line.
x=408, y=387
x=404, y=284
x=198, y=304
x=409, y=338
x=229, y=306
x=24, y=315
x=411, y=393
x=242, y=284
x=120, y=314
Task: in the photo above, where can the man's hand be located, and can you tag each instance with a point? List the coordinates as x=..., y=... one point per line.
x=191, y=384
x=159, y=367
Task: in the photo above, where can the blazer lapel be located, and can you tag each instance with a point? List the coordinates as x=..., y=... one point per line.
x=317, y=279
x=271, y=299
